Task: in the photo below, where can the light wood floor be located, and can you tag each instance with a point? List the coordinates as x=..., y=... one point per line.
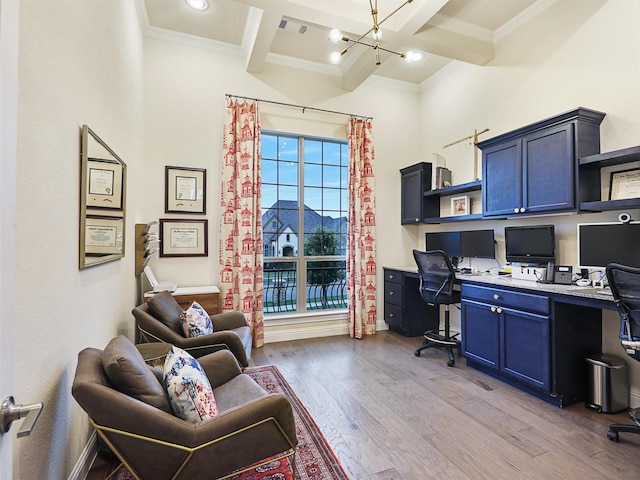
x=390, y=415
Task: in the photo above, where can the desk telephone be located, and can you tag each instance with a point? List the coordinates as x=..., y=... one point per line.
x=561, y=274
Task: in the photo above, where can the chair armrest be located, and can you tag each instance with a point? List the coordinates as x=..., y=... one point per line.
x=228, y=320
x=206, y=344
x=220, y=367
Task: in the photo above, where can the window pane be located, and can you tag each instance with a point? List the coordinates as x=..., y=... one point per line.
x=288, y=149
x=331, y=199
x=280, y=287
x=312, y=151
x=313, y=200
x=326, y=285
x=331, y=153
x=344, y=175
x=288, y=173
x=331, y=176
x=269, y=197
x=268, y=146
x=269, y=172
x=288, y=193
x=312, y=175
x=344, y=151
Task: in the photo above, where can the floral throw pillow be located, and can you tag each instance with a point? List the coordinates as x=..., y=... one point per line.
x=195, y=321
x=188, y=387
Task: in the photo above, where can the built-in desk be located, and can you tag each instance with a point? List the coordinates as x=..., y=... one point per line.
x=532, y=335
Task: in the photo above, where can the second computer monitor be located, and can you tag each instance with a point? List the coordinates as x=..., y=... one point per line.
x=478, y=244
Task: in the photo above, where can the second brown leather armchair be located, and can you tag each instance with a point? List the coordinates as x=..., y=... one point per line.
x=158, y=320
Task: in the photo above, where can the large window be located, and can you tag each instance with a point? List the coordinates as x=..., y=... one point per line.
x=304, y=222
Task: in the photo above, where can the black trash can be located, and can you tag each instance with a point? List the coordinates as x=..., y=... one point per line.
x=608, y=383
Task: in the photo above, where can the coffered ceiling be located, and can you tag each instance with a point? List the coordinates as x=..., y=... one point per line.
x=296, y=32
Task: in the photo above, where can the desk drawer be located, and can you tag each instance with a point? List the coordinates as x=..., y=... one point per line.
x=393, y=293
x=507, y=298
x=392, y=276
x=393, y=316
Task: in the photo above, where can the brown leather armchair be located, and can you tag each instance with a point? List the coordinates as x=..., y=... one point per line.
x=152, y=443
x=158, y=320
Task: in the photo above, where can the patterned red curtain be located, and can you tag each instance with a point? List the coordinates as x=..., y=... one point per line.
x=361, y=244
x=241, y=267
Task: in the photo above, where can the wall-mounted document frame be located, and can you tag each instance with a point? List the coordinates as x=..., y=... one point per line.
x=101, y=230
x=185, y=190
x=183, y=238
x=104, y=183
x=103, y=235
x=624, y=184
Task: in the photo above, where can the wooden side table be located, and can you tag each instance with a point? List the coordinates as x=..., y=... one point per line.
x=208, y=297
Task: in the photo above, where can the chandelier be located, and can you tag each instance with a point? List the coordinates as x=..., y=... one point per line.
x=376, y=33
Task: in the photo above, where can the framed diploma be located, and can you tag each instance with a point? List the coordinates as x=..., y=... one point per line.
x=185, y=190
x=103, y=236
x=104, y=184
x=625, y=184
x=183, y=238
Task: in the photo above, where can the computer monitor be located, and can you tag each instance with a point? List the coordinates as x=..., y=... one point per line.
x=533, y=244
x=603, y=243
x=478, y=244
x=448, y=242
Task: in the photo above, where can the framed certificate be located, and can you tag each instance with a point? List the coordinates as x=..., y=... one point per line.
x=104, y=184
x=183, y=238
x=185, y=190
x=625, y=184
x=103, y=236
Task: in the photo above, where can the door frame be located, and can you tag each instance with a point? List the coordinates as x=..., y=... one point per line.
x=9, y=20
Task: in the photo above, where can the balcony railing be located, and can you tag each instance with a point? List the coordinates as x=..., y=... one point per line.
x=326, y=288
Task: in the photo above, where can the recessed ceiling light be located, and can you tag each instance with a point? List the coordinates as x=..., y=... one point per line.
x=198, y=4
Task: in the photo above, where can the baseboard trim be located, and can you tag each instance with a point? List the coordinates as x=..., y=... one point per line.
x=299, y=331
x=87, y=457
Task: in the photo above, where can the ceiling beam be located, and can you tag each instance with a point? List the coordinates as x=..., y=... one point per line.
x=261, y=28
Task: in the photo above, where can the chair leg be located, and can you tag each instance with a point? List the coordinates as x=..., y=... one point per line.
x=616, y=428
x=433, y=338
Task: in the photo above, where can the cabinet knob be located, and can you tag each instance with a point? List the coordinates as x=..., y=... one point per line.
x=493, y=309
x=391, y=293
x=499, y=310
x=417, y=220
x=391, y=315
x=391, y=277
x=522, y=210
x=496, y=296
x=516, y=210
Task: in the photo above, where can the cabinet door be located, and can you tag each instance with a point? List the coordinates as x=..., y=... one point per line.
x=526, y=347
x=480, y=330
x=549, y=170
x=502, y=175
x=412, y=197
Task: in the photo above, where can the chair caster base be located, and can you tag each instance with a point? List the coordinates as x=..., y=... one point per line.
x=613, y=436
x=417, y=353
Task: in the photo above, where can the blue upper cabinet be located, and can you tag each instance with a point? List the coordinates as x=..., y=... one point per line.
x=533, y=169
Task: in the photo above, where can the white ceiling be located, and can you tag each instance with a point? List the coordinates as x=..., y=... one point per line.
x=445, y=30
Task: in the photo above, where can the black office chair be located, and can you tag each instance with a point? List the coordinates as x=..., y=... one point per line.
x=437, y=277
x=625, y=287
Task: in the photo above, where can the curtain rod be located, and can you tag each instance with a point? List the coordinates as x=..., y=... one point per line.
x=298, y=106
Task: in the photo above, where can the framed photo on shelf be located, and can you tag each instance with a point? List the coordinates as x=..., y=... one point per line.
x=185, y=190
x=460, y=205
x=624, y=184
x=183, y=238
x=104, y=184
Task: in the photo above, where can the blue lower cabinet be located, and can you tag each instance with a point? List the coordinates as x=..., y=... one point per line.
x=526, y=348
x=509, y=335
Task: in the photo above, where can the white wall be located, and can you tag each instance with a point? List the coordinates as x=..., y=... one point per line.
x=80, y=62
x=565, y=58
x=185, y=89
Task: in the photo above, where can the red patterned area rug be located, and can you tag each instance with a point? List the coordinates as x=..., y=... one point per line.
x=314, y=458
